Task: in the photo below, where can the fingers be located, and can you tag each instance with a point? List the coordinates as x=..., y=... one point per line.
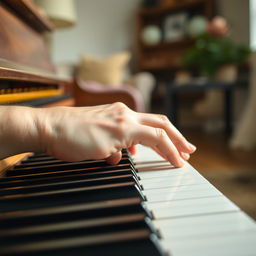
x=158, y=139
x=115, y=158
x=185, y=156
x=160, y=153
x=133, y=149
x=163, y=122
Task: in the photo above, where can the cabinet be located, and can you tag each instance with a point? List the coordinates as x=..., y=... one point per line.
x=166, y=55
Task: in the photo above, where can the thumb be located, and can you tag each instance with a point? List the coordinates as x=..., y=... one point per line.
x=115, y=158
x=133, y=149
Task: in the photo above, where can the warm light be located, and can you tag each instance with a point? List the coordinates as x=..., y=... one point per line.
x=61, y=12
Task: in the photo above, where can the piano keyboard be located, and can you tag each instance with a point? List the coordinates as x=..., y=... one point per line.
x=145, y=207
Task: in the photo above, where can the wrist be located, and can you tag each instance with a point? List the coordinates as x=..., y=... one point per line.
x=18, y=131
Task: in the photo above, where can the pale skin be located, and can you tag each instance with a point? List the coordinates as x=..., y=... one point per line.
x=100, y=132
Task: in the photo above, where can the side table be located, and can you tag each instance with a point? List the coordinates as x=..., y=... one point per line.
x=172, y=103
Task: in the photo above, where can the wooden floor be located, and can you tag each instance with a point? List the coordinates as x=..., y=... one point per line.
x=233, y=172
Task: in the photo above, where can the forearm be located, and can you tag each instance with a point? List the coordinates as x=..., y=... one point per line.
x=18, y=131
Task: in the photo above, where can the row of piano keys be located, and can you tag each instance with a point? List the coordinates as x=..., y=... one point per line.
x=49, y=207
x=144, y=207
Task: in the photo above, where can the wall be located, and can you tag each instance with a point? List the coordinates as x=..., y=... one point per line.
x=108, y=26
x=103, y=27
x=237, y=14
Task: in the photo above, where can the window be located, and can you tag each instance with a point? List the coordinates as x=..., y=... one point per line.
x=253, y=24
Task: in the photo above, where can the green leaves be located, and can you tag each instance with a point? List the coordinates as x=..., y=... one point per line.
x=209, y=53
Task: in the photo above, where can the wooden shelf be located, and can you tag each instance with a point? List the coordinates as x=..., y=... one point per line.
x=174, y=44
x=159, y=11
x=166, y=56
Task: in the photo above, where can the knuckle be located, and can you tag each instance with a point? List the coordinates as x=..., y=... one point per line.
x=180, y=139
x=160, y=133
x=164, y=119
x=120, y=106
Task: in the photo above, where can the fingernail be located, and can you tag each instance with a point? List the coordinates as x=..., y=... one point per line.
x=178, y=163
x=185, y=156
x=182, y=161
x=191, y=146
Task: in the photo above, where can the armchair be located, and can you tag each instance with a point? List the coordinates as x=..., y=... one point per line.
x=90, y=89
x=89, y=93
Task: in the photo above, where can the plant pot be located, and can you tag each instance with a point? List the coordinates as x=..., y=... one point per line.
x=227, y=73
x=182, y=77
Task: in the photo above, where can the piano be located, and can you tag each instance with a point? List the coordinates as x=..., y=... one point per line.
x=141, y=206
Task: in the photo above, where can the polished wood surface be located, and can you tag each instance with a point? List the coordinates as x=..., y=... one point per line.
x=14, y=71
x=25, y=64
x=30, y=14
x=10, y=161
x=21, y=43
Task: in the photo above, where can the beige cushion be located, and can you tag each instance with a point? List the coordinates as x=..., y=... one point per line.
x=108, y=71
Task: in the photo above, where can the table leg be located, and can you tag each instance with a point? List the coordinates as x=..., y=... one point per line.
x=172, y=107
x=228, y=111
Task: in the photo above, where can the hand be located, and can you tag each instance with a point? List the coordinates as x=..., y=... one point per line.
x=100, y=132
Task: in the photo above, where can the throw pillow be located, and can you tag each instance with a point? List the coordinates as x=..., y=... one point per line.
x=107, y=71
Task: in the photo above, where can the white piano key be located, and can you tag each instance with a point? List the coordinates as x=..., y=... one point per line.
x=167, y=173
x=162, y=182
x=181, y=192
x=204, y=225
x=147, y=155
x=193, y=217
x=171, y=209
x=230, y=244
x=159, y=165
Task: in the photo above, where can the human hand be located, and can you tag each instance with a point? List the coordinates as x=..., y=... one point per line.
x=101, y=132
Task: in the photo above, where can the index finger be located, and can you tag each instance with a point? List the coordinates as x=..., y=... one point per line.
x=157, y=138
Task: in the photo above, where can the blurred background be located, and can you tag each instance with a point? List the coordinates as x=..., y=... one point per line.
x=192, y=60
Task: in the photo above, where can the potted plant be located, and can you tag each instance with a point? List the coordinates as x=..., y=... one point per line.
x=214, y=50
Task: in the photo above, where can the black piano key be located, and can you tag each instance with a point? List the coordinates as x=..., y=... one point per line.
x=69, y=184
x=48, y=159
x=38, y=155
x=54, y=161
x=64, y=172
x=67, y=177
x=82, y=211
x=79, y=228
x=69, y=196
x=139, y=241
x=37, y=159
x=42, y=156
x=38, y=163
x=63, y=166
